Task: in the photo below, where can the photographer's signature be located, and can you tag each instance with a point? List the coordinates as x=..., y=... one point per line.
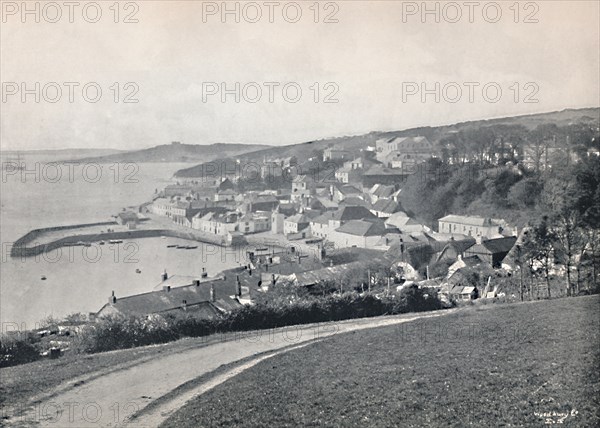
x=554, y=417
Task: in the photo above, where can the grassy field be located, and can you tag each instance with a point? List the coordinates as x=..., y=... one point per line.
x=530, y=364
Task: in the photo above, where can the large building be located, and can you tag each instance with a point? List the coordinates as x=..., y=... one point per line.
x=474, y=226
x=405, y=149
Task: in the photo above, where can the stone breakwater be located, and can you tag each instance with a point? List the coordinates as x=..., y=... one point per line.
x=27, y=247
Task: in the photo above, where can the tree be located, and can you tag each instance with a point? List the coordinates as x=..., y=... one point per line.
x=542, y=248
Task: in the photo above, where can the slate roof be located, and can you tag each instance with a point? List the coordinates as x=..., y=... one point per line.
x=197, y=298
x=386, y=206
x=381, y=170
x=362, y=228
x=495, y=246
x=468, y=220
x=355, y=201
x=382, y=190
x=326, y=274
x=298, y=218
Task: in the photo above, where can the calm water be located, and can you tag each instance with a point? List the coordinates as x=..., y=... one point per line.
x=80, y=279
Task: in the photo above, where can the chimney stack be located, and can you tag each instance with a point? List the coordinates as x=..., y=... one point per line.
x=165, y=276
x=166, y=288
x=112, y=299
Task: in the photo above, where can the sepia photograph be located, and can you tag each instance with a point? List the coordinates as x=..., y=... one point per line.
x=347, y=213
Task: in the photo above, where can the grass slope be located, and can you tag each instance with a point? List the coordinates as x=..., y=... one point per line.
x=499, y=365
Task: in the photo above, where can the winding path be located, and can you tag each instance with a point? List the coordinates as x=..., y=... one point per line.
x=154, y=389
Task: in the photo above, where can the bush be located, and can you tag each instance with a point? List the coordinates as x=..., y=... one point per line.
x=120, y=332
x=17, y=350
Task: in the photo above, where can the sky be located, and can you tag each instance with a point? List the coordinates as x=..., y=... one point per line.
x=364, y=70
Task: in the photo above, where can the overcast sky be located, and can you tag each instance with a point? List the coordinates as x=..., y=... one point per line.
x=369, y=55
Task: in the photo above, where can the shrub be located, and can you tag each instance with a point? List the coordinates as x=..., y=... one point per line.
x=17, y=350
x=120, y=332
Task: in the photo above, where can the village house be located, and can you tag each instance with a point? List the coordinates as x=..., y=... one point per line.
x=474, y=226
x=128, y=218
x=380, y=174
x=454, y=249
x=357, y=233
x=206, y=300
x=176, y=190
x=225, y=195
x=255, y=222
x=380, y=191
x=331, y=274
x=322, y=225
x=162, y=207
x=216, y=223
x=341, y=192
x=295, y=224
x=405, y=223
x=384, y=208
x=418, y=149
x=492, y=251
x=302, y=187
x=271, y=168
x=333, y=154
x=253, y=202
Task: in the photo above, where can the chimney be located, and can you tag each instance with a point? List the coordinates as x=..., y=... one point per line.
x=112, y=299
x=212, y=293
x=165, y=276
x=197, y=282
x=273, y=278
x=479, y=239
x=166, y=288
x=204, y=273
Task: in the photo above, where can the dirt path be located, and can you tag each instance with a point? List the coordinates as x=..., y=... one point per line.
x=109, y=401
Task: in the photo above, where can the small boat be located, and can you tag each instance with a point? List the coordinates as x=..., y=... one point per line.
x=172, y=246
x=191, y=247
x=43, y=277
x=101, y=242
x=115, y=241
x=181, y=247
x=138, y=271
x=87, y=244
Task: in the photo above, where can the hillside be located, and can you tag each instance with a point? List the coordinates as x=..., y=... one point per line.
x=303, y=151
x=177, y=152
x=499, y=365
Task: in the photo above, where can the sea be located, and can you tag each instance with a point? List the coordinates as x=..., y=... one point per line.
x=81, y=279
